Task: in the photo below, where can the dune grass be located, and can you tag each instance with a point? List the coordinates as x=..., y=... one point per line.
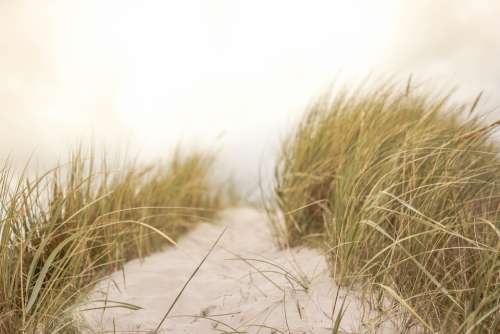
x=61, y=232
x=402, y=189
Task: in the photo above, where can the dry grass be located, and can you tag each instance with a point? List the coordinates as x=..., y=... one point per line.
x=59, y=233
x=403, y=192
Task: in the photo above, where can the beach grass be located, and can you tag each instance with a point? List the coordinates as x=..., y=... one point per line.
x=63, y=231
x=401, y=189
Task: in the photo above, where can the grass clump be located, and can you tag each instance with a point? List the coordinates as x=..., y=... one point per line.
x=403, y=191
x=59, y=233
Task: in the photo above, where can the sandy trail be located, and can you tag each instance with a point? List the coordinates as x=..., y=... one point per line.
x=247, y=285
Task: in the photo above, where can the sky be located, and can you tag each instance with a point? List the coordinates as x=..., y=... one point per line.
x=225, y=75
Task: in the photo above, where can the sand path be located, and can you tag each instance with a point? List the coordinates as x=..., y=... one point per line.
x=247, y=285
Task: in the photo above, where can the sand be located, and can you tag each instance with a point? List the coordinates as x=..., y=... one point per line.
x=247, y=285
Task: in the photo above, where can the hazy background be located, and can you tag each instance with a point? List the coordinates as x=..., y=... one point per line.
x=227, y=75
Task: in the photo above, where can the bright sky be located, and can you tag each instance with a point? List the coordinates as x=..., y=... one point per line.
x=225, y=74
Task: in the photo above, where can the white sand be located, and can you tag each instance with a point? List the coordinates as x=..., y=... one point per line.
x=228, y=294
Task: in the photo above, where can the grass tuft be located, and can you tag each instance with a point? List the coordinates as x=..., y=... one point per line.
x=61, y=232
x=402, y=189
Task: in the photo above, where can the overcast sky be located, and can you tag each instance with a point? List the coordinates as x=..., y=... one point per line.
x=231, y=75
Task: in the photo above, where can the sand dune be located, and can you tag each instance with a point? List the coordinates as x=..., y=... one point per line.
x=246, y=285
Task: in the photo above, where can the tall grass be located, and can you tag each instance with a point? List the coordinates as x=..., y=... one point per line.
x=59, y=233
x=402, y=189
